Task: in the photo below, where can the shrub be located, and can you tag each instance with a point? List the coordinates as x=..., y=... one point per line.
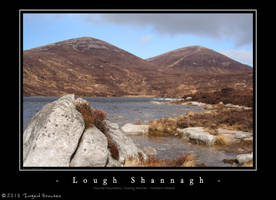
x=99, y=120
x=92, y=116
x=86, y=112
x=163, y=127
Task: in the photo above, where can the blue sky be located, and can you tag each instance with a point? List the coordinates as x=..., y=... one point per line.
x=146, y=35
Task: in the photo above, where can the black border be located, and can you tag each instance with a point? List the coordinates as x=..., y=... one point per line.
x=136, y=168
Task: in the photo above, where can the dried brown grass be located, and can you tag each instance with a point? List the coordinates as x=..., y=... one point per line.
x=183, y=160
x=226, y=95
x=94, y=117
x=223, y=118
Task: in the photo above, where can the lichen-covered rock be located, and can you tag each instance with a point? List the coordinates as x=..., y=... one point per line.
x=53, y=134
x=92, y=150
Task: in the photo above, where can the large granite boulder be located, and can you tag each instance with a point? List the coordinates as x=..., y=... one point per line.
x=53, y=134
x=57, y=137
x=92, y=150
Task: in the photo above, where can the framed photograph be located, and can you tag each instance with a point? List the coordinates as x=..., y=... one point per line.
x=137, y=99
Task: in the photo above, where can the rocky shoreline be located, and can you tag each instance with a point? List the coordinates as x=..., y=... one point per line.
x=58, y=136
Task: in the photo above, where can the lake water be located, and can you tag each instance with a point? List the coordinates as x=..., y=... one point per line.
x=124, y=110
x=120, y=110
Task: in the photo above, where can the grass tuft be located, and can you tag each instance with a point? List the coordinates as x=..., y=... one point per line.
x=183, y=160
x=92, y=117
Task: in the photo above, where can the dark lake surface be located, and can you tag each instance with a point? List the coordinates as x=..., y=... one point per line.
x=124, y=110
x=120, y=110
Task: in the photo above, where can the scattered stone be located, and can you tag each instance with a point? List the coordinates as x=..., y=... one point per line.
x=198, y=135
x=133, y=129
x=248, y=139
x=195, y=103
x=237, y=134
x=149, y=151
x=242, y=135
x=229, y=105
x=244, y=158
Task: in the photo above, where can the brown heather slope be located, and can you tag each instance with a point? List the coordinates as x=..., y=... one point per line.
x=199, y=69
x=91, y=67
x=198, y=59
x=84, y=66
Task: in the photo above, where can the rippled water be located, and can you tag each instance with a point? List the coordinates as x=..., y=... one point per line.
x=119, y=109
x=172, y=147
x=122, y=110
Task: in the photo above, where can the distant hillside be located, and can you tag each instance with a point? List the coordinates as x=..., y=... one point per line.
x=90, y=67
x=197, y=59
x=84, y=66
x=199, y=69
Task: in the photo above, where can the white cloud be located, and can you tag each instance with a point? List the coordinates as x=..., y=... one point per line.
x=145, y=39
x=243, y=56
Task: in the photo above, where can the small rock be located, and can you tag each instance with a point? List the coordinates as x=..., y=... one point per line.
x=188, y=98
x=198, y=135
x=242, y=135
x=195, y=103
x=133, y=129
x=149, y=151
x=248, y=139
x=244, y=158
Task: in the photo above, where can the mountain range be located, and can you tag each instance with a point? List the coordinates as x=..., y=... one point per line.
x=90, y=67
